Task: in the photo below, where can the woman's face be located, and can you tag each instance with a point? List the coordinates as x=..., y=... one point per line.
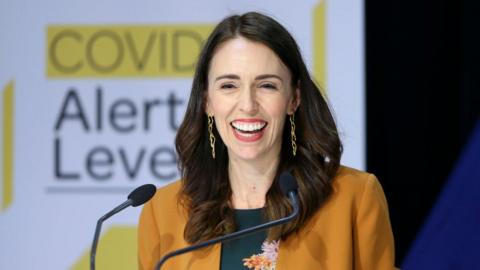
x=250, y=95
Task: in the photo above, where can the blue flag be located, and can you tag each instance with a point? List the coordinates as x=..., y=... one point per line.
x=450, y=237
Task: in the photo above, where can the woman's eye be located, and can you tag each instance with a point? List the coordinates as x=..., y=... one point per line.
x=227, y=86
x=268, y=86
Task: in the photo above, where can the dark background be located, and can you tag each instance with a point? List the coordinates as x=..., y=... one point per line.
x=423, y=100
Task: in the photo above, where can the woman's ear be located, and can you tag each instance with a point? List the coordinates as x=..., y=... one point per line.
x=206, y=100
x=207, y=107
x=295, y=101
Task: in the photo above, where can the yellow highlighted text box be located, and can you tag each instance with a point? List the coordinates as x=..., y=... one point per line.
x=124, y=50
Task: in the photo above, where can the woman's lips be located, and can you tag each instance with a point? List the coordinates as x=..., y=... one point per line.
x=248, y=130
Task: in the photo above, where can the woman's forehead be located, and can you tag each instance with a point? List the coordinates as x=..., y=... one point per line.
x=244, y=57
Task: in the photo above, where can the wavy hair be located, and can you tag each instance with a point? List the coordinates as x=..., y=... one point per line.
x=206, y=190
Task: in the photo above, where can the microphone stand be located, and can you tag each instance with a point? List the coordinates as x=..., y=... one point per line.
x=98, y=228
x=137, y=197
x=293, y=198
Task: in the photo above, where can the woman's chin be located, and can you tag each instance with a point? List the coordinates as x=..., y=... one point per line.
x=246, y=154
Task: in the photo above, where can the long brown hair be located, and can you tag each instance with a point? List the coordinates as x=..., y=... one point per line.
x=206, y=189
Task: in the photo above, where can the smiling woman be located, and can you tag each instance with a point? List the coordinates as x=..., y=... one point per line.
x=253, y=113
x=249, y=94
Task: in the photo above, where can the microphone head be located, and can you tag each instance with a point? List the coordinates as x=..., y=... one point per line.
x=142, y=194
x=287, y=183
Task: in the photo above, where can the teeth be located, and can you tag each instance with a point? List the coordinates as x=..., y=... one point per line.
x=249, y=127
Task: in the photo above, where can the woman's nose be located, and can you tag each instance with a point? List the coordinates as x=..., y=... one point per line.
x=248, y=101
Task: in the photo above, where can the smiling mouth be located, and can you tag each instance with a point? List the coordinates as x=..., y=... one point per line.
x=248, y=127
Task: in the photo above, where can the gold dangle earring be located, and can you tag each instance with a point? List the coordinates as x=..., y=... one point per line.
x=210, y=132
x=292, y=134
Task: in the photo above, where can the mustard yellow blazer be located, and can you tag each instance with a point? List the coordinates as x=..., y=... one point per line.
x=350, y=231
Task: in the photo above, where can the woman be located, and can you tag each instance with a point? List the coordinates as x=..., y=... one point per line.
x=253, y=113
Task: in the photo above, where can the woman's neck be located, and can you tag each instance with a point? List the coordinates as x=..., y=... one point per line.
x=250, y=181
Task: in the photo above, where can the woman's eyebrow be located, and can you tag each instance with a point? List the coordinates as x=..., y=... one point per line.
x=228, y=76
x=259, y=77
x=267, y=76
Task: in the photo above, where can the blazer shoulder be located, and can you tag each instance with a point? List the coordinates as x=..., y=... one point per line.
x=168, y=194
x=352, y=181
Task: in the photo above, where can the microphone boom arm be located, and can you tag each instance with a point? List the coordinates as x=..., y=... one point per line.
x=238, y=234
x=98, y=228
x=137, y=197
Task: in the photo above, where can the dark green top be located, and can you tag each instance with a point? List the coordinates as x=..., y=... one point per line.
x=234, y=251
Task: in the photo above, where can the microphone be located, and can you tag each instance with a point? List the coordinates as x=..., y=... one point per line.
x=288, y=187
x=137, y=197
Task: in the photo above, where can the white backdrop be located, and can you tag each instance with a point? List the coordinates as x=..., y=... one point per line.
x=60, y=176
